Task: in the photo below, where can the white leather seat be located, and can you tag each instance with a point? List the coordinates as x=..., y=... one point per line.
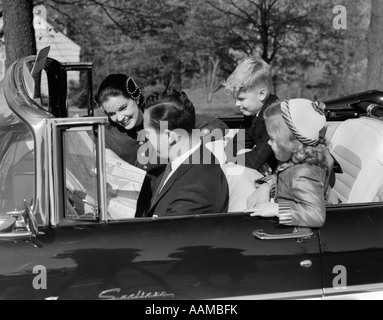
x=379, y=195
x=357, y=145
x=241, y=185
x=239, y=178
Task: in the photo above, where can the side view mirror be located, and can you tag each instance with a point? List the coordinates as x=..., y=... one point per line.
x=30, y=220
x=301, y=234
x=7, y=232
x=6, y=224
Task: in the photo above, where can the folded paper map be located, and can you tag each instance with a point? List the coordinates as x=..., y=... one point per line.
x=124, y=181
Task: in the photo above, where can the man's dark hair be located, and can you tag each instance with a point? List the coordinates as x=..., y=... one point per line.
x=172, y=106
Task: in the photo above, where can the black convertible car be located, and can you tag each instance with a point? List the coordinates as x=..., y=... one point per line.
x=49, y=251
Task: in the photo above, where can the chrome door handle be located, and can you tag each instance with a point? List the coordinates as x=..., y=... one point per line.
x=306, y=264
x=301, y=234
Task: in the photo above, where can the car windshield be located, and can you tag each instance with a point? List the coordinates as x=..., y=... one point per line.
x=17, y=174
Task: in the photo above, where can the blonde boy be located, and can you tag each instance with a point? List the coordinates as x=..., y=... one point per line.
x=250, y=85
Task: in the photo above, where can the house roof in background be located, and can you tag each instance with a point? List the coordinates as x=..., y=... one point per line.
x=48, y=35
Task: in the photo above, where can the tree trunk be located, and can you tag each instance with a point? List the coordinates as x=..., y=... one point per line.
x=18, y=30
x=375, y=47
x=203, y=75
x=208, y=72
x=177, y=75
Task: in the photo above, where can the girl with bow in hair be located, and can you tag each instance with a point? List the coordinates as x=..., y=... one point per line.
x=296, y=128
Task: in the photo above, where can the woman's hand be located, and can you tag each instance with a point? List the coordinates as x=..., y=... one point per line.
x=266, y=209
x=262, y=194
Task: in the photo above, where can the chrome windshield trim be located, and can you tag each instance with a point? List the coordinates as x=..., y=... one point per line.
x=56, y=164
x=35, y=117
x=76, y=122
x=101, y=174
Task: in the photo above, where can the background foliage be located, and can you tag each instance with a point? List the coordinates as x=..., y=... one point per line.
x=196, y=44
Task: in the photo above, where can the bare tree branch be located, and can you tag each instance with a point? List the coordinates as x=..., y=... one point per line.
x=68, y=16
x=226, y=12
x=249, y=18
x=256, y=4
x=102, y=6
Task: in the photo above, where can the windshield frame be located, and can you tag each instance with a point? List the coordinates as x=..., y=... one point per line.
x=29, y=112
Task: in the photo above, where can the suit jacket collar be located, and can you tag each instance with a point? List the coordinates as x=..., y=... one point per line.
x=252, y=120
x=270, y=100
x=181, y=171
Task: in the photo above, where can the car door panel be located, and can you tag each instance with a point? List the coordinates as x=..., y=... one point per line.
x=352, y=248
x=187, y=258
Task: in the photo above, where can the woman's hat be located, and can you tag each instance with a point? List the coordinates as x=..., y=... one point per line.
x=305, y=118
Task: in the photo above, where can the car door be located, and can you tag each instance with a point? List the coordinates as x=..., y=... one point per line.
x=199, y=257
x=352, y=251
x=81, y=253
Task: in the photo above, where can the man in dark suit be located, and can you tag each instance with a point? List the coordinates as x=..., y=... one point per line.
x=193, y=182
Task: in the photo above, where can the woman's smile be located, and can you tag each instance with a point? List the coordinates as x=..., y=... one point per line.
x=126, y=121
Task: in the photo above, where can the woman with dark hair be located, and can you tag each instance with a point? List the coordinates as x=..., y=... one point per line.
x=121, y=99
